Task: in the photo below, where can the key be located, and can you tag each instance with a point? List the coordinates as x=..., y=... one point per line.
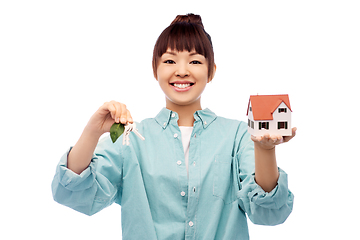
x=134, y=129
x=130, y=127
x=126, y=139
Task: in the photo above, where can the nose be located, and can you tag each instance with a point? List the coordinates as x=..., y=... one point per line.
x=182, y=70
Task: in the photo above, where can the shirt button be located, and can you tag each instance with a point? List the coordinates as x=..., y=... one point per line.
x=191, y=224
x=205, y=122
x=173, y=115
x=175, y=135
x=178, y=162
x=182, y=193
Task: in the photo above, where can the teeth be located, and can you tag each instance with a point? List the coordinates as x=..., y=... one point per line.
x=185, y=85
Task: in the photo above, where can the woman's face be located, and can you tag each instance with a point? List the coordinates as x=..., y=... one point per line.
x=182, y=76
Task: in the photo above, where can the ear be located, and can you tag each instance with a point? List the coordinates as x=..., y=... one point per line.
x=213, y=75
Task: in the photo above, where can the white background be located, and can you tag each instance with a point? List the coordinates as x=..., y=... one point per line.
x=61, y=60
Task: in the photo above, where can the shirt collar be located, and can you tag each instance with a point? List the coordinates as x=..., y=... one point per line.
x=206, y=116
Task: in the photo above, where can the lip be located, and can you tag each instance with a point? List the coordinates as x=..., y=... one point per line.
x=182, y=89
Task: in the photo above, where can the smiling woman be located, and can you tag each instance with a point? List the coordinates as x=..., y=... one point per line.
x=167, y=183
x=183, y=63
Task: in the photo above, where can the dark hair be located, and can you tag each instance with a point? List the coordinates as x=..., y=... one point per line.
x=186, y=32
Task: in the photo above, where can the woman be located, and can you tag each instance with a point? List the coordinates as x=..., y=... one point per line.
x=194, y=175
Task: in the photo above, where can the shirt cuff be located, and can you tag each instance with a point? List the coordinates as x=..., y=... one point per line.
x=252, y=193
x=73, y=181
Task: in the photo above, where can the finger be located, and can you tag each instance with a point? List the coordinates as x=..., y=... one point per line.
x=274, y=139
x=278, y=139
x=110, y=108
x=117, y=111
x=123, y=112
x=294, y=131
x=266, y=138
x=288, y=138
x=257, y=138
x=129, y=118
x=254, y=138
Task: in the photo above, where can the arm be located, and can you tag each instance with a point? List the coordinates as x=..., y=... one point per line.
x=80, y=155
x=263, y=206
x=266, y=170
x=83, y=180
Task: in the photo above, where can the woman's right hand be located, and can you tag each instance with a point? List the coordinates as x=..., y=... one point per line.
x=106, y=116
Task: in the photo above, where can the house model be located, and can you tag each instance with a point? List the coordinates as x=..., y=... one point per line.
x=269, y=114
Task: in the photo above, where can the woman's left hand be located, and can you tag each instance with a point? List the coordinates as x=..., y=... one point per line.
x=268, y=142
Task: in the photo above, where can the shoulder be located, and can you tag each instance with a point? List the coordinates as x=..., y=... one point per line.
x=231, y=123
x=147, y=123
x=237, y=129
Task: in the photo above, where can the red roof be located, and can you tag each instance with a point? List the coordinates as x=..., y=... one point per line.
x=263, y=106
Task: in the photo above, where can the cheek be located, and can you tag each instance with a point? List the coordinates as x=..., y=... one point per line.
x=162, y=74
x=162, y=80
x=202, y=74
x=205, y=79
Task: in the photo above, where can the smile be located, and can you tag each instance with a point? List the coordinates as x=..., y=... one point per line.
x=182, y=87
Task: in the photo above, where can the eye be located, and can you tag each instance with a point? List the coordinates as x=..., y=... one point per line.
x=195, y=62
x=169, y=62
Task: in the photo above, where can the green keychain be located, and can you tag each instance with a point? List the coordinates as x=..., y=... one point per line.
x=116, y=130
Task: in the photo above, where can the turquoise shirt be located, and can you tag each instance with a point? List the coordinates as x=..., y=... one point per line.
x=158, y=201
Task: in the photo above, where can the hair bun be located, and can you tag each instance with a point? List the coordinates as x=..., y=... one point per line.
x=188, y=18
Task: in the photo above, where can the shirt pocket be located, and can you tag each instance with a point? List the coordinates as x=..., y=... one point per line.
x=224, y=185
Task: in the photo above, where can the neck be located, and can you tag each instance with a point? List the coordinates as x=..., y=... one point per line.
x=185, y=112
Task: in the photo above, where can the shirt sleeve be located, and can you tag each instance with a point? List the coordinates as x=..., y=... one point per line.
x=97, y=187
x=262, y=208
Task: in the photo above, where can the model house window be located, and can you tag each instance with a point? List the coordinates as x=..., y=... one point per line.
x=264, y=125
x=282, y=125
x=251, y=123
x=250, y=109
x=282, y=110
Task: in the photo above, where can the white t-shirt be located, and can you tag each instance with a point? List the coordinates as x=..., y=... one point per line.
x=185, y=138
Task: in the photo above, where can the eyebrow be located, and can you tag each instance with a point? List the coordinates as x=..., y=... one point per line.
x=191, y=54
x=171, y=53
x=194, y=53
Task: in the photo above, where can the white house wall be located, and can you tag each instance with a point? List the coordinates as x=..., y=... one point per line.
x=273, y=124
x=281, y=117
x=251, y=118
